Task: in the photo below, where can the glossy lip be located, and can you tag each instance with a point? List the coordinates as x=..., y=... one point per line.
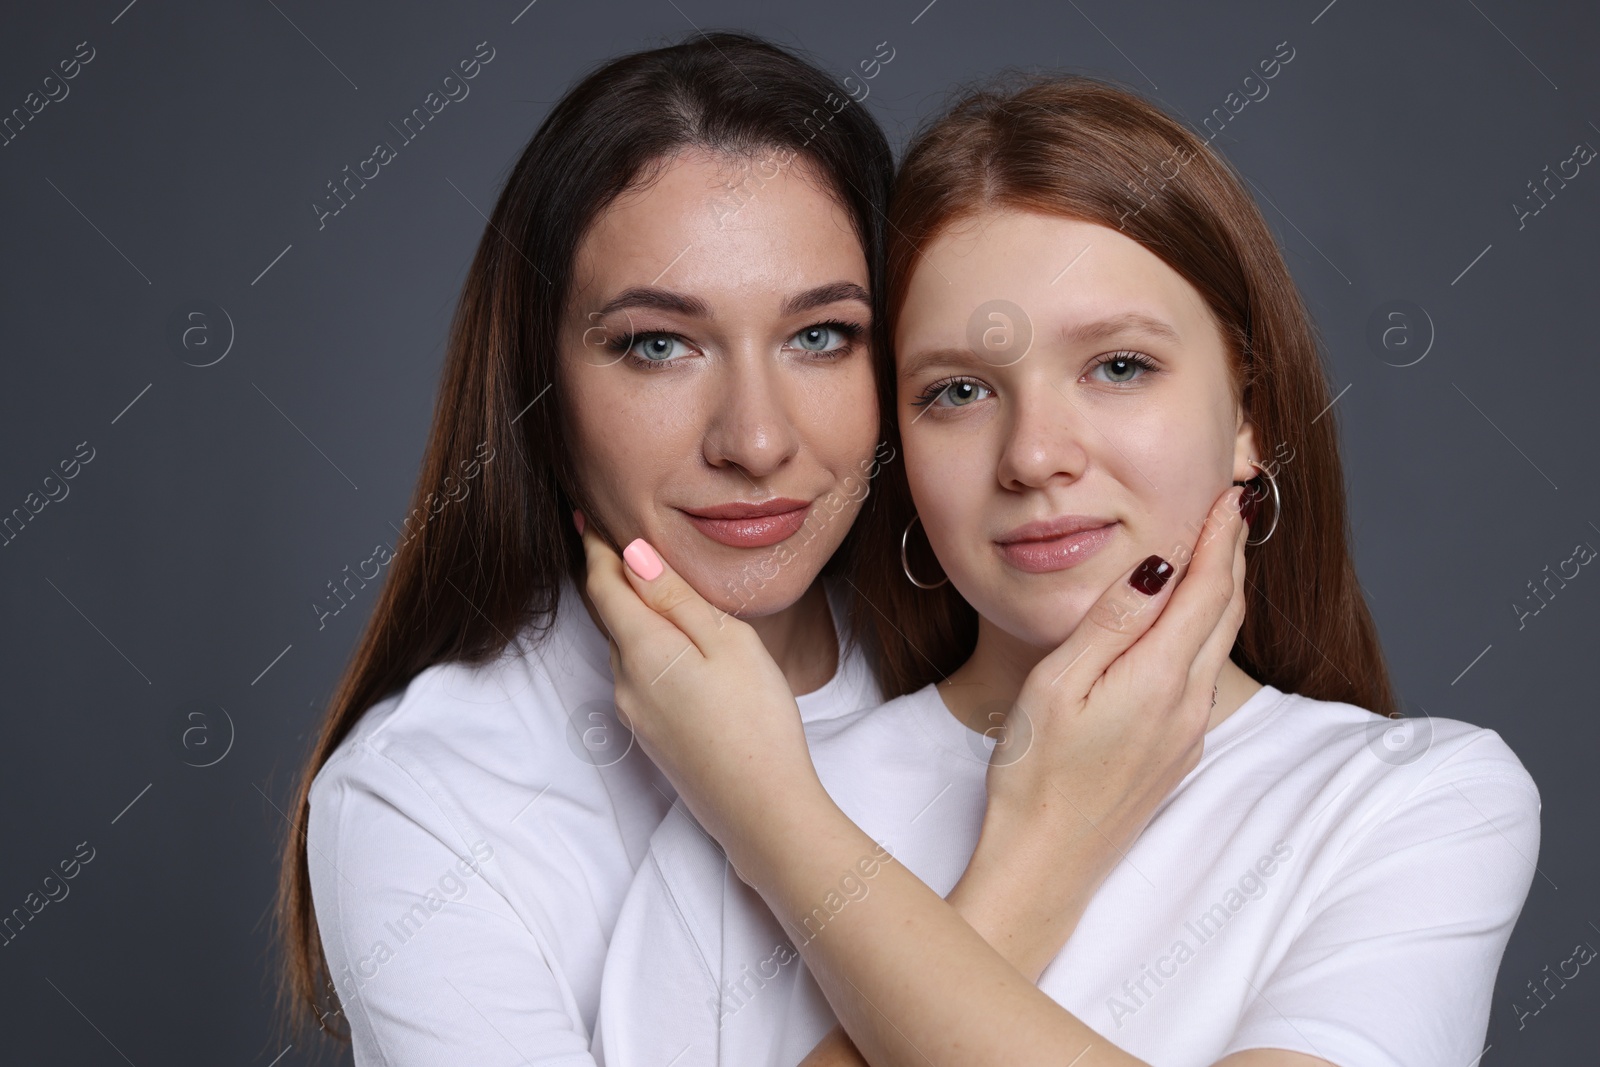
x=742, y=525
x=1055, y=544
x=740, y=510
x=1050, y=529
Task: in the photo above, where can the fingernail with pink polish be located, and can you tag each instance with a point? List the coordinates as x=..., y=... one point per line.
x=643, y=559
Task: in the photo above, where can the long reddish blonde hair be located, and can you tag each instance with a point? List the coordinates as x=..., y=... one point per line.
x=1085, y=149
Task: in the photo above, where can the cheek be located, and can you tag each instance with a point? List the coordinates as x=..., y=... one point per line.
x=950, y=478
x=1174, y=468
x=624, y=446
x=841, y=421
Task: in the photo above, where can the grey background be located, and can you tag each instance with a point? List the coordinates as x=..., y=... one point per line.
x=179, y=572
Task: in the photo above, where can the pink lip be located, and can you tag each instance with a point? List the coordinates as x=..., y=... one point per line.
x=1047, y=529
x=1055, y=544
x=741, y=525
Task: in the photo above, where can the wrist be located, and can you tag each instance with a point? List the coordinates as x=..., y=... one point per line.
x=808, y=861
x=777, y=825
x=1026, y=888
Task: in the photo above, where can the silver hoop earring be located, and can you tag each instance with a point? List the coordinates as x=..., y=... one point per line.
x=1277, y=502
x=905, y=565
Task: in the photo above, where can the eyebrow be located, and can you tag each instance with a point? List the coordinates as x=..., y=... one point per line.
x=823, y=295
x=658, y=299
x=1077, y=334
x=1131, y=322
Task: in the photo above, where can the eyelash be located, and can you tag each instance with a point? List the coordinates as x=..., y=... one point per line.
x=1138, y=359
x=852, y=332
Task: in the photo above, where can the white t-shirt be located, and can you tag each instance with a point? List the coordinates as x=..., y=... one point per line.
x=472, y=840
x=1325, y=880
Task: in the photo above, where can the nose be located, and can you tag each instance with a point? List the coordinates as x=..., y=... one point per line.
x=1045, y=439
x=751, y=426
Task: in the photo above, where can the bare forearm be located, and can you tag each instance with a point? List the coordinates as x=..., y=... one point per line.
x=834, y=1050
x=1025, y=889
x=910, y=980
x=1026, y=939
x=1025, y=910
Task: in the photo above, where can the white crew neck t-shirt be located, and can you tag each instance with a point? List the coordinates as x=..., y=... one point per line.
x=1324, y=880
x=472, y=840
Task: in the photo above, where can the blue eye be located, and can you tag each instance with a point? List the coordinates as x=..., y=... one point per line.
x=652, y=347
x=827, y=337
x=814, y=338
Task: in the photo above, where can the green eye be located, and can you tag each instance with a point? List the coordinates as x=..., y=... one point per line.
x=960, y=393
x=1117, y=368
x=1124, y=367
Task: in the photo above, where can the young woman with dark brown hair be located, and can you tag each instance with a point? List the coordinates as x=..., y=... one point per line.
x=669, y=323
x=1199, y=838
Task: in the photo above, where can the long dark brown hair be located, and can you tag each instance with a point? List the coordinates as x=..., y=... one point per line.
x=491, y=536
x=1086, y=149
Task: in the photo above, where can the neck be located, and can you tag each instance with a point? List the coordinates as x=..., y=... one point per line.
x=800, y=638
x=1000, y=664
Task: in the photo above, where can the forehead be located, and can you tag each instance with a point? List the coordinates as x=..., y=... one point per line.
x=763, y=222
x=1059, y=271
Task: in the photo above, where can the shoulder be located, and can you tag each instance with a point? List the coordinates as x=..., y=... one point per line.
x=459, y=731
x=1418, y=753
x=1370, y=791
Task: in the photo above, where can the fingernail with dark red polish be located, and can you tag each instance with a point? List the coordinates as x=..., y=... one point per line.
x=1249, y=507
x=1151, y=575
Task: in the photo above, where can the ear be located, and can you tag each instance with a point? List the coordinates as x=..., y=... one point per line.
x=1245, y=450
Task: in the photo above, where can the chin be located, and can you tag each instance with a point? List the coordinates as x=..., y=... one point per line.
x=752, y=590
x=1047, y=634
x=1039, y=619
